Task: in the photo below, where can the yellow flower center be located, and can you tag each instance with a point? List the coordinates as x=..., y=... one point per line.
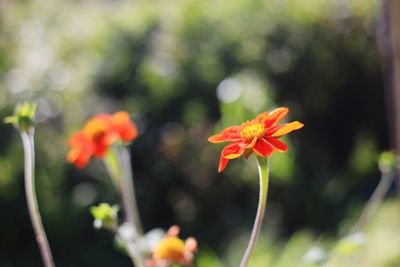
x=251, y=130
x=170, y=248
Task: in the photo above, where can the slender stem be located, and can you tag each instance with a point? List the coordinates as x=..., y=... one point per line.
x=394, y=36
x=128, y=189
x=131, y=248
x=263, y=170
x=134, y=254
x=116, y=170
x=118, y=164
x=112, y=165
x=374, y=201
x=30, y=191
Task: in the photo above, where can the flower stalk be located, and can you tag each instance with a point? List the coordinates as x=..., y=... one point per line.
x=387, y=163
x=128, y=189
x=134, y=253
x=263, y=171
x=106, y=217
x=118, y=164
x=30, y=191
x=374, y=202
x=105, y=136
x=259, y=136
x=119, y=167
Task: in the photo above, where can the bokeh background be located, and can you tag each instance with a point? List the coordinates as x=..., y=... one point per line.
x=185, y=69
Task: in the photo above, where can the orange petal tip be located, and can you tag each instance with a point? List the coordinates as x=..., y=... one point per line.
x=288, y=128
x=232, y=156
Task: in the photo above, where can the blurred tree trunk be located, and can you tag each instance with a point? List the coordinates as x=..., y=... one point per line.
x=388, y=39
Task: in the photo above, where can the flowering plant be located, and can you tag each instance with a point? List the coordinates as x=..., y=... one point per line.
x=104, y=136
x=23, y=121
x=260, y=136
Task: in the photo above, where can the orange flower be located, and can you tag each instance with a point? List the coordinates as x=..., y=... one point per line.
x=81, y=149
x=123, y=126
x=99, y=130
x=173, y=250
x=259, y=135
x=98, y=134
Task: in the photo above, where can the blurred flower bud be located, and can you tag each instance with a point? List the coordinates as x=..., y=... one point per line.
x=105, y=216
x=171, y=250
x=386, y=162
x=23, y=118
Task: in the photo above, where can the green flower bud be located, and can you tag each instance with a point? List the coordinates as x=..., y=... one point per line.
x=105, y=215
x=23, y=118
x=387, y=161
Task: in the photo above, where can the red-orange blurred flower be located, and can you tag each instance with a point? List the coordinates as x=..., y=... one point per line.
x=81, y=149
x=259, y=135
x=173, y=250
x=98, y=134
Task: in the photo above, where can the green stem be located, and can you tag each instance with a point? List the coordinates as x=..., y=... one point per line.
x=118, y=164
x=263, y=171
x=117, y=170
x=30, y=191
x=134, y=254
x=128, y=188
x=374, y=201
x=130, y=247
x=112, y=165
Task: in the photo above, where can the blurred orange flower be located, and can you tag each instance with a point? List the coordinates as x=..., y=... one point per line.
x=98, y=134
x=81, y=149
x=259, y=135
x=173, y=250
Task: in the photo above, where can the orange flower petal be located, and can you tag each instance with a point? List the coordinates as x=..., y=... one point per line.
x=100, y=149
x=77, y=139
x=78, y=157
x=233, y=151
x=81, y=149
x=121, y=117
x=100, y=131
x=263, y=148
x=98, y=124
x=252, y=143
x=272, y=118
x=277, y=144
x=124, y=126
x=191, y=245
x=222, y=163
x=73, y=155
x=229, y=134
x=173, y=230
x=287, y=128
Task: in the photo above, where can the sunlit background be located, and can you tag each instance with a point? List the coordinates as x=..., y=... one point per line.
x=185, y=69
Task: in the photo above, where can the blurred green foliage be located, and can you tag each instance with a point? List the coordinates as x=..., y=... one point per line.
x=185, y=69
x=377, y=247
